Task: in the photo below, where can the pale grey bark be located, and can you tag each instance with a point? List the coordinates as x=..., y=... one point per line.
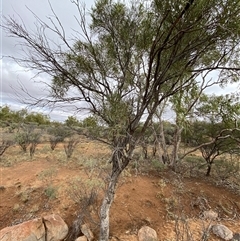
x=176, y=145
x=106, y=204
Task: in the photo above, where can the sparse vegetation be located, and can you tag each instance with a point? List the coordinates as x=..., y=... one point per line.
x=70, y=144
x=4, y=146
x=171, y=193
x=85, y=193
x=58, y=134
x=47, y=175
x=51, y=191
x=16, y=207
x=28, y=136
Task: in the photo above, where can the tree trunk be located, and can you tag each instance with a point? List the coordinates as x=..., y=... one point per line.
x=145, y=148
x=164, y=156
x=106, y=204
x=209, y=169
x=119, y=163
x=176, y=144
x=154, y=148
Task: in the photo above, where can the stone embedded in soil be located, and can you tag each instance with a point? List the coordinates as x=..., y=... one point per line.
x=57, y=229
x=222, y=232
x=210, y=214
x=82, y=238
x=32, y=230
x=2, y=188
x=147, y=233
x=51, y=226
x=87, y=232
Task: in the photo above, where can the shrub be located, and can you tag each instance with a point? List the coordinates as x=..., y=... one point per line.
x=47, y=175
x=57, y=135
x=23, y=140
x=28, y=136
x=227, y=168
x=4, y=146
x=51, y=192
x=34, y=141
x=157, y=165
x=70, y=145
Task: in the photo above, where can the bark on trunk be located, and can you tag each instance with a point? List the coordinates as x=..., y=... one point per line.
x=154, y=148
x=119, y=163
x=106, y=204
x=176, y=144
x=145, y=149
x=209, y=169
x=164, y=156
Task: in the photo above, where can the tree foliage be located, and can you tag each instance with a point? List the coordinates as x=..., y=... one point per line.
x=72, y=121
x=57, y=134
x=217, y=133
x=9, y=116
x=28, y=136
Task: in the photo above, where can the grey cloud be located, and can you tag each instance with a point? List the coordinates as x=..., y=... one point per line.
x=12, y=74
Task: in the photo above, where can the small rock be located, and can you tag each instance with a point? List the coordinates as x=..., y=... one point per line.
x=87, y=232
x=147, y=233
x=82, y=238
x=222, y=231
x=2, y=188
x=56, y=228
x=210, y=214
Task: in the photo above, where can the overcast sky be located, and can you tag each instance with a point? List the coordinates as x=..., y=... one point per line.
x=12, y=74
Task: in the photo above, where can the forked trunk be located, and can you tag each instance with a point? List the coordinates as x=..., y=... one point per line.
x=119, y=162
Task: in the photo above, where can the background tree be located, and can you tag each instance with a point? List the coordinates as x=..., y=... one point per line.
x=70, y=144
x=10, y=116
x=28, y=135
x=57, y=134
x=4, y=146
x=162, y=133
x=128, y=58
x=183, y=103
x=72, y=121
x=38, y=118
x=218, y=133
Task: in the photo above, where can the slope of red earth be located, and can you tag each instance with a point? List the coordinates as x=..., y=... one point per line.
x=164, y=201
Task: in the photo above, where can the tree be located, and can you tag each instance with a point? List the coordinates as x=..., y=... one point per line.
x=9, y=116
x=5, y=113
x=21, y=116
x=183, y=104
x=70, y=145
x=38, y=118
x=90, y=121
x=72, y=121
x=4, y=146
x=57, y=134
x=28, y=136
x=218, y=133
x=128, y=58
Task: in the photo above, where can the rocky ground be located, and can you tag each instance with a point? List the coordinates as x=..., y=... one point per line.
x=172, y=205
